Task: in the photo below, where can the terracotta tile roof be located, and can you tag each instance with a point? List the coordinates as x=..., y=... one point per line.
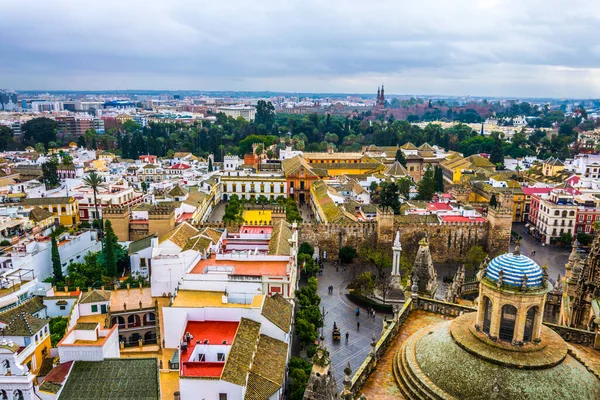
x=24, y=325
x=86, y=326
x=31, y=306
x=40, y=201
x=480, y=162
x=332, y=212
x=116, y=378
x=180, y=235
x=178, y=191
x=408, y=146
x=241, y=352
x=426, y=147
x=205, y=238
x=279, y=311
x=95, y=296
x=140, y=244
x=291, y=165
x=38, y=214
x=396, y=169
x=268, y=368
x=279, y=244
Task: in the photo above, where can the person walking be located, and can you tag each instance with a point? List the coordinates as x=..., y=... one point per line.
x=347, y=335
x=373, y=314
x=357, y=325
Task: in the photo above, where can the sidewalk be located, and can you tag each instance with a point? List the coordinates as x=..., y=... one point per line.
x=342, y=311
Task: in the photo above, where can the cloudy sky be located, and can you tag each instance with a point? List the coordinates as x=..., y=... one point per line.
x=451, y=47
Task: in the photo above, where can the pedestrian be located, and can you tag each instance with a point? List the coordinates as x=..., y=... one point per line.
x=373, y=314
x=347, y=335
x=337, y=268
x=357, y=325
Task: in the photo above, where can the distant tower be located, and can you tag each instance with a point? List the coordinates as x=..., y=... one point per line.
x=382, y=96
x=378, y=95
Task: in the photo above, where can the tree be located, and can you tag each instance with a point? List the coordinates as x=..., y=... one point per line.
x=95, y=182
x=427, y=185
x=389, y=196
x=50, y=174
x=67, y=159
x=39, y=130
x=39, y=147
x=300, y=370
x=7, y=140
x=306, y=248
x=110, y=258
x=347, y=254
x=363, y=284
x=81, y=142
x=493, y=201
x=404, y=184
x=400, y=157
x=56, y=265
x=439, y=179
x=565, y=238
x=497, y=154
x=265, y=114
x=380, y=259
x=210, y=164
x=584, y=238
x=475, y=257
x=384, y=285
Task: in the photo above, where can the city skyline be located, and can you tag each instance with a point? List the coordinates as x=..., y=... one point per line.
x=483, y=48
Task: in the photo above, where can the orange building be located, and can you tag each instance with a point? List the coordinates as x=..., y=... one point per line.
x=299, y=176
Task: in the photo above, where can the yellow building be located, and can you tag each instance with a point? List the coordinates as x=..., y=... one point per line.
x=23, y=326
x=64, y=209
x=99, y=165
x=552, y=167
x=332, y=157
x=349, y=168
x=106, y=156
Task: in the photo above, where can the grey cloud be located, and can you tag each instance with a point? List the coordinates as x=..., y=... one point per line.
x=496, y=47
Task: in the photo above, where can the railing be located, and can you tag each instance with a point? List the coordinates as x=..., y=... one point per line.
x=573, y=335
x=442, y=307
x=390, y=331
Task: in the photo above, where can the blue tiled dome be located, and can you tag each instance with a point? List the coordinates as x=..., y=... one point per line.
x=514, y=268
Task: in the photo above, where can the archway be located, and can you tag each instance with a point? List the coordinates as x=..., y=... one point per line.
x=3, y=394
x=507, y=322
x=18, y=395
x=487, y=315
x=150, y=319
x=133, y=339
x=150, y=337
x=118, y=320
x=133, y=320
x=529, y=324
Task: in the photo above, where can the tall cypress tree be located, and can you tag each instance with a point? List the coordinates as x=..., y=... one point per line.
x=439, y=179
x=110, y=242
x=56, y=266
x=400, y=157
x=427, y=185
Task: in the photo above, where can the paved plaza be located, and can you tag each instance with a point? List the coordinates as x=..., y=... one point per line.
x=341, y=310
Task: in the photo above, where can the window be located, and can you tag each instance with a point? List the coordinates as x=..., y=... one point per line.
x=27, y=341
x=222, y=396
x=220, y=356
x=529, y=321
x=201, y=357
x=487, y=315
x=589, y=218
x=62, y=307
x=94, y=308
x=507, y=322
x=143, y=263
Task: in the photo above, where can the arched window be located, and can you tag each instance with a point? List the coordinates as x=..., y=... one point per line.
x=487, y=314
x=529, y=323
x=564, y=214
x=3, y=394
x=18, y=395
x=507, y=322
x=556, y=212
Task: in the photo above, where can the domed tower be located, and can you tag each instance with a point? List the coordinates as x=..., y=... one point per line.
x=502, y=351
x=511, y=299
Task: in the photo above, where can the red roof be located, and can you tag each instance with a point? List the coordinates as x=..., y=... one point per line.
x=460, y=218
x=531, y=190
x=213, y=331
x=59, y=373
x=251, y=268
x=180, y=166
x=252, y=229
x=439, y=206
x=185, y=216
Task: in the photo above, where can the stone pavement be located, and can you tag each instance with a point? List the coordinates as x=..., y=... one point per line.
x=554, y=257
x=218, y=212
x=341, y=310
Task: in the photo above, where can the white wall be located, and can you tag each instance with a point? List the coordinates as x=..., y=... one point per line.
x=135, y=261
x=208, y=389
x=53, y=310
x=86, y=309
x=168, y=270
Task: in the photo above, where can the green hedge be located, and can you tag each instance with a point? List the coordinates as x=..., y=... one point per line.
x=361, y=300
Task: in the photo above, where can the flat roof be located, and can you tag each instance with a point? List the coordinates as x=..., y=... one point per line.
x=250, y=268
x=215, y=332
x=200, y=298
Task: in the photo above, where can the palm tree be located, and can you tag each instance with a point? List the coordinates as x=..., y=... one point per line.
x=94, y=181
